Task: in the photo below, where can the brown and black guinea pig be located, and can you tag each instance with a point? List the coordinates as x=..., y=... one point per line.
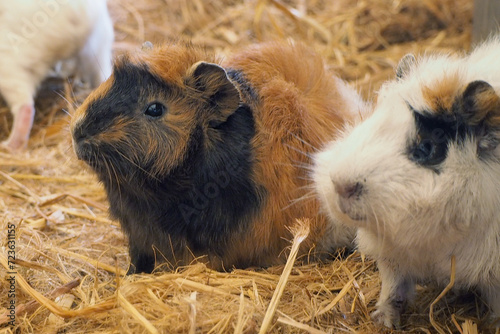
x=208, y=160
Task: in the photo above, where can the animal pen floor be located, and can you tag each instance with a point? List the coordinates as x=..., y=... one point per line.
x=71, y=258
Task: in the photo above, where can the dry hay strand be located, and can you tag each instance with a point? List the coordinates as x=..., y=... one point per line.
x=362, y=40
x=71, y=258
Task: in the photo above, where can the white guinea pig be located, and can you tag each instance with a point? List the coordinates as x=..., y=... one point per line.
x=420, y=178
x=37, y=35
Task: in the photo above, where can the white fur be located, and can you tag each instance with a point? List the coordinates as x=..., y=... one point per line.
x=411, y=219
x=38, y=34
x=355, y=104
x=337, y=233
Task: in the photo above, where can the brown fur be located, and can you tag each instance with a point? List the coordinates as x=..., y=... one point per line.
x=297, y=110
x=443, y=96
x=486, y=108
x=443, y=93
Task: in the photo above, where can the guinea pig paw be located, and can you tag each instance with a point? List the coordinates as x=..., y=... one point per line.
x=386, y=316
x=13, y=145
x=4, y=147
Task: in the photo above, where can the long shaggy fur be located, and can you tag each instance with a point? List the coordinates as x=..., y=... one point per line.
x=221, y=173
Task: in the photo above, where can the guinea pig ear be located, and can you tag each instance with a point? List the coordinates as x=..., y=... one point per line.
x=404, y=66
x=480, y=108
x=216, y=88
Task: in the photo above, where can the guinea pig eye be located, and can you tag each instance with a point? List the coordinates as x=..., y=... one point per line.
x=428, y=153
x=430, y=147
x=155, y=110
x=423, y=151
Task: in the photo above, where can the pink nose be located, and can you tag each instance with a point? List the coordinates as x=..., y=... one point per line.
x=348, y=190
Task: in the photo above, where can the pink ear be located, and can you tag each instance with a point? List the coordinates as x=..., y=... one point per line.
x=23, y=121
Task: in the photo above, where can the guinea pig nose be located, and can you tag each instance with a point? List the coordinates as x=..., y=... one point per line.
x=348, y=190
x=79, y=134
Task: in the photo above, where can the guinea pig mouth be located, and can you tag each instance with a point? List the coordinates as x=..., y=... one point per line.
x=347, y=207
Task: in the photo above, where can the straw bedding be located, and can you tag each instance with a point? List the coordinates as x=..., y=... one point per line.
x=71, y=257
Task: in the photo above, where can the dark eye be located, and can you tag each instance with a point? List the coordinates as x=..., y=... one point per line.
x=155, y=110
x=423, y=151
x=429, y=153
x=434, y=133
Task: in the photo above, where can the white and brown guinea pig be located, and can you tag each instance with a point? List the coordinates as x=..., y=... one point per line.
x=38, y=34
x=203, y=158
x=420, y=178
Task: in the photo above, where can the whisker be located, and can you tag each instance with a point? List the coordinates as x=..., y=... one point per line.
x=299, y=165
x=309, y=187
x=299, y=151
x=67, y=112
x=67, y=150
x=378, y=224
x=302, y=140
x=303, y=164
x=310, y=179
x=138, y=167
x=69, y=102
x=117, y=181
x=307, y=196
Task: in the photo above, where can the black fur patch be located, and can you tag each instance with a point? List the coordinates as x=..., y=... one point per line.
x=223, y=197
x=435, y=132
x=200, y=205
x=243, y=84
x=131, y=82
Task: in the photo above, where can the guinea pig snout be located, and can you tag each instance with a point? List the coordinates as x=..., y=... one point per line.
x=78, y=134
x=349, y=195
x=81, y=143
